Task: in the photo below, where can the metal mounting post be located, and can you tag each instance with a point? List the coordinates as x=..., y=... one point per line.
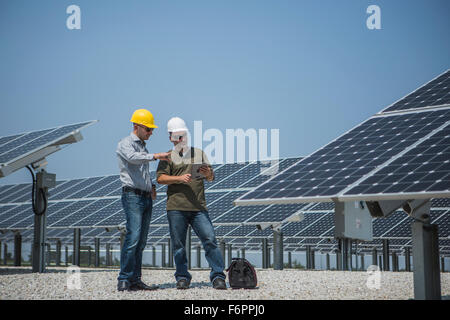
x=17, y=249
x=76, y=247
x=277, y=250
x=97, y=252
x=44, y=181
x=425, y=247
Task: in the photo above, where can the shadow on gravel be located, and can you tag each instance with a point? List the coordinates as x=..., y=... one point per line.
x=173, y=285
x=19, y=270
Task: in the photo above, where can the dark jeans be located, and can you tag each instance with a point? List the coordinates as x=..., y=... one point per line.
x=138, y=213
x=203, y=228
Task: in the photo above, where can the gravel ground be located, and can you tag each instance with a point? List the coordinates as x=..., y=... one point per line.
x=19, y=283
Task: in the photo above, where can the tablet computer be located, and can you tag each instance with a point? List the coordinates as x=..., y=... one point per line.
x=195, y=171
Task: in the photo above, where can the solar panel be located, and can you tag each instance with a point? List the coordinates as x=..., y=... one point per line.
x=382, y=225
x=440, y=202
x=16, y=148
x=332, y=169
x=434, y=93
x=65, y=209
x=84, y=203
x=69, y=192
x=239, y=214
x=319, y=227
x=424, y=168
x=90, y=214
x=9, y=216
x=269, y=169
x=235, y=179
x=15, y=192
x=277, y=213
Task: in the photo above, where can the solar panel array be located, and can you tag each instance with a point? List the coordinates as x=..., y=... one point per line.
x=95, y=201
x=94, y=205
x=391, y=155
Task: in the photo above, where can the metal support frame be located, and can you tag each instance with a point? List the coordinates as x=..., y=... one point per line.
x=362, y=262
x=58, y=252
x=427, y=284
x=97, y=252
x=328, y=261
x=442, y=264
x=17, y=249
x=386, y=265
x=338, y=257
x=394, y=262
x=243, y=253
x=67, y=255
x=277, y=250
x=407, y=259
x=264, y=246
x=89, y=256
x=5, y=254
x=374, y=256
x=76, y=256
x=108, y=255
x=40, y=224
x=308, y=257
x=189, y=247
x=153, y=256
x=425, y=247
x=47, y=255
x=289, y=259
x=313, y=259
x=345, y=252
x=163, y=255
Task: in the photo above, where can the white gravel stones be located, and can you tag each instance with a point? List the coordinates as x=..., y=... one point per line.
x=99, y=284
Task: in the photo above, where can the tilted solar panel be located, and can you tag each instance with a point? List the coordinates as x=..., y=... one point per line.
x=434, y=93
x=330, y=170
x=424, y=168
x=16, y=148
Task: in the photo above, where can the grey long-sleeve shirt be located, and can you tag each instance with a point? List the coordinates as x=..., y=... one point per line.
x=134, y=161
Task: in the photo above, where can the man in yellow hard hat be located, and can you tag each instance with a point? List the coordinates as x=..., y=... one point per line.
x=138, y=193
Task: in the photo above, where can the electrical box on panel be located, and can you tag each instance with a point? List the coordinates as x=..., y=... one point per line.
x=352, y=220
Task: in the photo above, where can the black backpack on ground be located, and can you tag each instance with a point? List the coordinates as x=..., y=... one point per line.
x=241, y=274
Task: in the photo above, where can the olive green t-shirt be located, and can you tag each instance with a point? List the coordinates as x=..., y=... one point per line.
x=184, y=196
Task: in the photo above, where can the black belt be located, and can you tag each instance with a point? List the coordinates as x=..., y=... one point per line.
x=139, y=192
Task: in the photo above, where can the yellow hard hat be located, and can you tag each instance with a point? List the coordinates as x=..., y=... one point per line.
x=144, y=117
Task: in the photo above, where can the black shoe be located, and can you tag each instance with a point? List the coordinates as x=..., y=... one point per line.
x=123, y=285
x=183, y=284
x=219, y=283
x=142, y=286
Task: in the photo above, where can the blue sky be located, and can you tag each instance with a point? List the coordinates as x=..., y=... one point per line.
x=311, y=69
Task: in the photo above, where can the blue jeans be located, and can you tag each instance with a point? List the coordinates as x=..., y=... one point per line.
x=203, y=228
x=138, y=213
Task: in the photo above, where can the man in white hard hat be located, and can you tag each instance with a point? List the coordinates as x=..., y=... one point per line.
x=186, y=205
x=138, y=194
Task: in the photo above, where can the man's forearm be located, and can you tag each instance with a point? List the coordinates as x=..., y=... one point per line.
x=166, y=179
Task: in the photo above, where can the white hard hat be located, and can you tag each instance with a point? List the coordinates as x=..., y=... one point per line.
x=176, y=124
